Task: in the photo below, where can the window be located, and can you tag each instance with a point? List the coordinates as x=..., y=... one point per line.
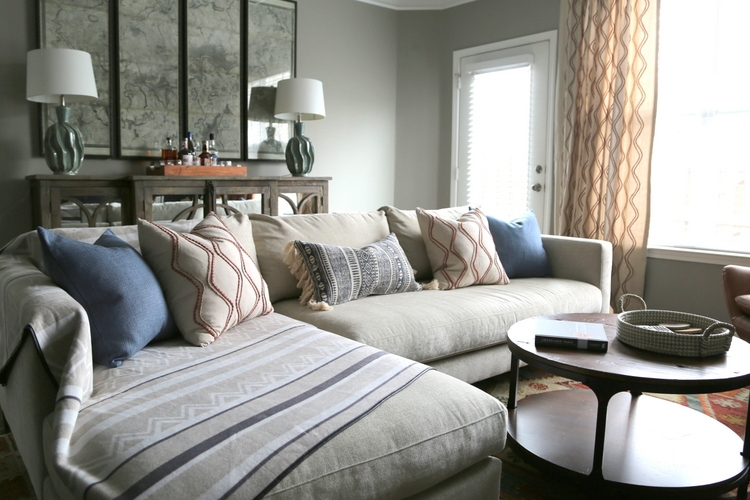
x=700, y=171
x=502, y=138
x=498, y=148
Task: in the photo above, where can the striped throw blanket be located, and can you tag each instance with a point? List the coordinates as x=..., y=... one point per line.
x=229, y=420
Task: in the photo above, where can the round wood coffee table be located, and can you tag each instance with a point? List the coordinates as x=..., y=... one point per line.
x=616, y=436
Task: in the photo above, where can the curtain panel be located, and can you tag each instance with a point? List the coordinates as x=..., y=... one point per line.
x=606, y=98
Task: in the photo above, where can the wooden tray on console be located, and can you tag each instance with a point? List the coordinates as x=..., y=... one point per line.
x=197, y=170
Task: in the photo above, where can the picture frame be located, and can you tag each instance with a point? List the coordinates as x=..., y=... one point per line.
x=148, y=77
x=214, y=75
x=91, y=20
x=271, y=57
x=167, y=67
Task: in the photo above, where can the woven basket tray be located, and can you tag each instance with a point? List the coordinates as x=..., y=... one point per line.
x=640, y=329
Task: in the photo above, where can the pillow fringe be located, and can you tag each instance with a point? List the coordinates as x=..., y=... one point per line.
x=432, y=285
x=319, y=306
x=296, y=263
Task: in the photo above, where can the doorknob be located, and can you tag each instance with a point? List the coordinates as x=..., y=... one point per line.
x=536, y=187
x=538, y=169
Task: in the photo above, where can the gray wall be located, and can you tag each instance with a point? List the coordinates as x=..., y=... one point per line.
x=425, y=67
x=350, y=46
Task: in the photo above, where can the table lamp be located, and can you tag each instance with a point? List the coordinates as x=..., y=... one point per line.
x=61, y=76
x=262, y=106
x=300, y=99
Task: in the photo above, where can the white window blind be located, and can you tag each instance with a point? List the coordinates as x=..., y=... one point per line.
x=498, y=140
x=700, y=174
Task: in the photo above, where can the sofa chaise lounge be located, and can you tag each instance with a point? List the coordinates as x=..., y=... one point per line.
x=90, y=431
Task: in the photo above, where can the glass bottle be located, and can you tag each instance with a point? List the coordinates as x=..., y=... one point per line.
x=168, y=152
x=212, y=149
x=190, y=143
x=205, y=156
x=185, y=154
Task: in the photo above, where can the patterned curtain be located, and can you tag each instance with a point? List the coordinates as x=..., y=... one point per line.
x=606, y=97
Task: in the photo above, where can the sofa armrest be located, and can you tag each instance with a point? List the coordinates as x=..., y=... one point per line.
x=581, y=259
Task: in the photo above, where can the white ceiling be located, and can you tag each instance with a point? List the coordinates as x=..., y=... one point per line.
x=416, y=4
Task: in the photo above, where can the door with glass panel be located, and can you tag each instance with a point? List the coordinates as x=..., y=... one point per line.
x=502, y=127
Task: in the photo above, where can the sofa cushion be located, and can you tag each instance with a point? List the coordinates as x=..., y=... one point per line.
x=333, y=275
x=461, y=251
x=273, y=233
x=124, y=302
x=519, y=245
x=404, y=224
x=209, y=278
x=420, y=437
x=436, y=324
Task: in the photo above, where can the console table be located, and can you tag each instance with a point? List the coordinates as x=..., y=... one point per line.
x=137, y=194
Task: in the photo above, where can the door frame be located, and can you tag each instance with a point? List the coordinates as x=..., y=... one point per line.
x=551, y=37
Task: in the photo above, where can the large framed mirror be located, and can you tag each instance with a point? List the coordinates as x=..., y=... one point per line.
x=168, y=67
x=271, y=26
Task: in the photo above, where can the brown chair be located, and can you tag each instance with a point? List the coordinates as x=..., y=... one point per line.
x=737, y=284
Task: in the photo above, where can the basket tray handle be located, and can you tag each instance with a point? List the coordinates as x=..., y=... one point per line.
x=625, y=296
x=719, y=324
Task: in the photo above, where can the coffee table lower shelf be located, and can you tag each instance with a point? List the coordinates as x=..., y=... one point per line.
x=650, y=446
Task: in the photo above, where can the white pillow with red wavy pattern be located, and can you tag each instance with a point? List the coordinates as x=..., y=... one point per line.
x=461, y=251
x=209, y=279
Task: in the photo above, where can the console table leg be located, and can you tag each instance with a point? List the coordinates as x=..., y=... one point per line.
x=513, y=390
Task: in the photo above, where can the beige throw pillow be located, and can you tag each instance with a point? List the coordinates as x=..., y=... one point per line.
x=273, y=233
x=404, y=224
x=209, y=279
x=461, y=252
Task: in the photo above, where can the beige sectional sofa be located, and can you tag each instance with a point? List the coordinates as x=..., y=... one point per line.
x=434, y=438
x=461, y=332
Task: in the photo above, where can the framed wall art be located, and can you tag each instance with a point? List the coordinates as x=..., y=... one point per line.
x=82, y=25
x=214, y=72
x=271, y=44
x=149, y=76
x=166, y=67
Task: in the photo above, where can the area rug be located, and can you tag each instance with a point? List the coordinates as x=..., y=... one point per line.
x=521, y=480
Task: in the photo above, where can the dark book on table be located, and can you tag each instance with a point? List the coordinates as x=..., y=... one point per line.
x=571, y=334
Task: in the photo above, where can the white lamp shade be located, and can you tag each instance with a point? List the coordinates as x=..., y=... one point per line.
x=301, y=97
x=52, y=73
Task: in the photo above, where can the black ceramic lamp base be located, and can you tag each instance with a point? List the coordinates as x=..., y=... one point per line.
x=300, y=153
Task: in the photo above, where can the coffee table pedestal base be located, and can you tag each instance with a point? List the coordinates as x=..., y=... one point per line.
x=650, y=445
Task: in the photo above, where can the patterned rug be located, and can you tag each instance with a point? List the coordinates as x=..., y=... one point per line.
x=521, y=480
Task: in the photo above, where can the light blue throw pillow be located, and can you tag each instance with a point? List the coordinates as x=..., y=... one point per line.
x=519, y=245
x=121, y=295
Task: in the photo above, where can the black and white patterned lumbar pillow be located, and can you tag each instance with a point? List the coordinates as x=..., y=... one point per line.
x=330, y=275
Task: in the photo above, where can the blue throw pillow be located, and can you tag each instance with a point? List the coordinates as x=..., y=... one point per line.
x=121, y=295
x=519, y=246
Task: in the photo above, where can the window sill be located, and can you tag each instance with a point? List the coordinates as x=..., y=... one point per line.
x=701, y=256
